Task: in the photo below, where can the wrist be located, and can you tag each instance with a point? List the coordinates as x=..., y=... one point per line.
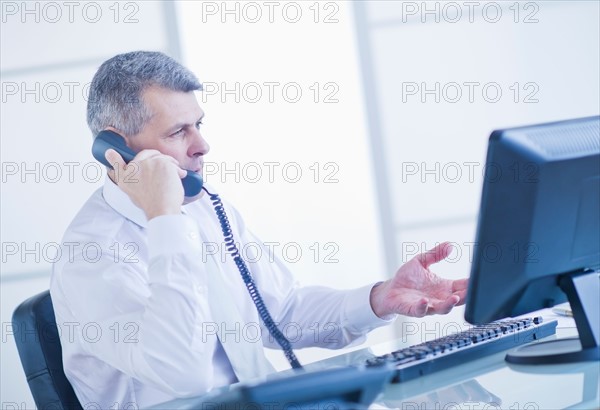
x=377, y=299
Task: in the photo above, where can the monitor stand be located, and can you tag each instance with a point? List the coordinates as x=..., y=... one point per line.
x=583, y=290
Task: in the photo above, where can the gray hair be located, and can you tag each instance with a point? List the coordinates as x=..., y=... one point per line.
x=115, y=97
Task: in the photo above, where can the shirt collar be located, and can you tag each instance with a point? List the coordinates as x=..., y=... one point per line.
x=120, y=202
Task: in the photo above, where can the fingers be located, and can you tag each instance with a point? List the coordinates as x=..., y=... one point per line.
x=420, y=308
x=154, y=154
x=443, y=306
x=114, y=159
x=458, y=297
x=435, y=255
x=150, y=153
x=459, y=288
x=460, y=284
x=462, y=295
x=118, y=162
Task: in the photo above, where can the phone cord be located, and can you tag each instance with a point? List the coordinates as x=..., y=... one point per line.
x=249, y=281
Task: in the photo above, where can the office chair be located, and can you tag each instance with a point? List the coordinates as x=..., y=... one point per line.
x=39, y=348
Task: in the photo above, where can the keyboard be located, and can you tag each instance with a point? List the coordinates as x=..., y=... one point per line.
x=459, y=348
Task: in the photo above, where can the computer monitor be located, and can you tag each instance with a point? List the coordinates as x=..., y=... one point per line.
x=538, y=234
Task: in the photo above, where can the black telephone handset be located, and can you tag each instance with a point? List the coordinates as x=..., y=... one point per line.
x=192, y=183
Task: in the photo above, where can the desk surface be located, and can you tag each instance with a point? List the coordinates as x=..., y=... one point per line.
x=488, y=383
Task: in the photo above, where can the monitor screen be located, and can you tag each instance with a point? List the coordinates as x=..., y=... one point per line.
x=538, y=234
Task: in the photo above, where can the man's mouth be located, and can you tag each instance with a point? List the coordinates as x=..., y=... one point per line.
x=197, y=170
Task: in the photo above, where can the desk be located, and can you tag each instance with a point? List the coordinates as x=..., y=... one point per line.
x=484, y=384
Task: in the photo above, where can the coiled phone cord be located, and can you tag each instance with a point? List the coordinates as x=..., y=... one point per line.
x=249, y=282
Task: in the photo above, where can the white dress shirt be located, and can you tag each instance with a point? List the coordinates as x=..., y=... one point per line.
x=132, y=306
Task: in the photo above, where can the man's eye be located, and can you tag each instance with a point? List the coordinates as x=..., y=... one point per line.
x=198, y=124
x=177, y=133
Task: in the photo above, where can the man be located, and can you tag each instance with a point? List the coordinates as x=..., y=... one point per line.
x=154, y=317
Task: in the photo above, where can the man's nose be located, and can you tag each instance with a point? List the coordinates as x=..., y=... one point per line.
x=198, y=146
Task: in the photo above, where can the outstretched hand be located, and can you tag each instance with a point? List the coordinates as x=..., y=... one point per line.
x=417, y=291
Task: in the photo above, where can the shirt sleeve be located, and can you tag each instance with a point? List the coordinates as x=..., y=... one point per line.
x=146, y=313
x=309, y=316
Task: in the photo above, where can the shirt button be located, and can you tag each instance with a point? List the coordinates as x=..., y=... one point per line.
x=193, y=235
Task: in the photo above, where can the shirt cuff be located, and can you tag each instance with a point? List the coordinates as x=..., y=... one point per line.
x=171, y=234
x=359, y=313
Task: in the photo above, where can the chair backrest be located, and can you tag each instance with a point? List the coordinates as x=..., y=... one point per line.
x=38, y=342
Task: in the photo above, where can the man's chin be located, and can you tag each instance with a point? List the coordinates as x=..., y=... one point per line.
x=190, y=199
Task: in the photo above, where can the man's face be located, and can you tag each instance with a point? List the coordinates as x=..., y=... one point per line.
x=174, y=127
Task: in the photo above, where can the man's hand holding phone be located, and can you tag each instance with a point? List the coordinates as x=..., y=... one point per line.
x=152, y=180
